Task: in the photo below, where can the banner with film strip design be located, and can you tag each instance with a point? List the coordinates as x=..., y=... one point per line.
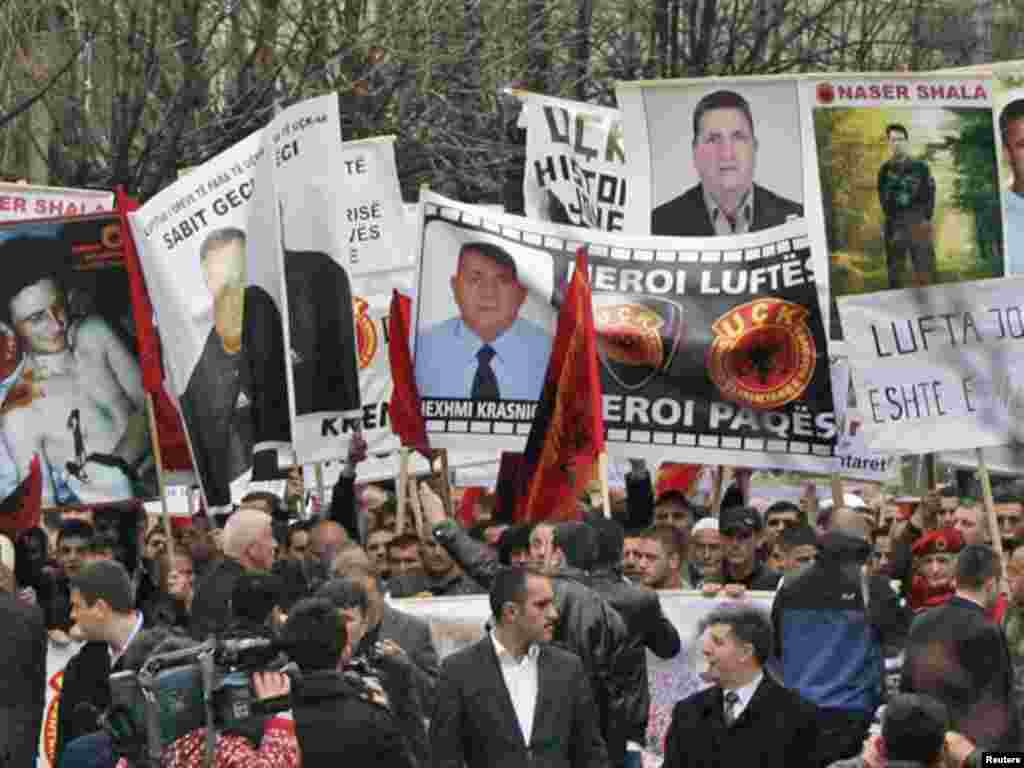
x=711, y=351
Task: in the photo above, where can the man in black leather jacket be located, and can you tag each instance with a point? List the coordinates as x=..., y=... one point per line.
x=587, y=625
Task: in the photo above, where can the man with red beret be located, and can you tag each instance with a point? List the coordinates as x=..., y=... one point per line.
x=934, y=565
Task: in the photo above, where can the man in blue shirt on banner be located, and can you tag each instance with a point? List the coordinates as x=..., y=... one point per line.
x=488, y=352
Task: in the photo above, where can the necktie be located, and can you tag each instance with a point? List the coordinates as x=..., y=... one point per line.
x=731, y=700
x=485, y=383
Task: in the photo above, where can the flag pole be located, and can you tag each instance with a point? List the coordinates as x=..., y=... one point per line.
x=990, y=510
x=417, y=510
x=154, y=441
x=403, y=483
x=602, y=469
x=716, y=491
x=318, y=470
x=837, y=491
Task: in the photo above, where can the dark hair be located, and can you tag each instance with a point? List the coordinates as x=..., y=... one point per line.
x=75, y=529
x=784, y=507
x=672, y=540
x=105, y=580
x=976, y=564
x=721, y=100
x=99, y=545
x=29, y=260
x=345, y=593
x=797, y=536
x=255, y=594
x=495, y=253
x=509, y=586
x=1011, y=112
x=914, y=728
x=897, y=127
x=610, y=541
x=219, y=238
x=748, y=624
x=578, y=542
x=677, y=497
x=514, y=539
x=315, y=634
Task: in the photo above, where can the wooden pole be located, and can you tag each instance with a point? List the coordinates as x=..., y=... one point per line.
x=318, y=470
x=837, y=491
x=403, y=486
x=990, y=510
x=154, y=440
x=606, y=499
x=716, y=491
x=417, y=510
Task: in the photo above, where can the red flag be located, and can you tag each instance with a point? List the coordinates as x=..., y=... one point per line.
x=567, y=434
x=171, y=434
x=22, y=508
x=406, y=417
x=674, y=477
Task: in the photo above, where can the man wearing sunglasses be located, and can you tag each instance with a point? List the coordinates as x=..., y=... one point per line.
x=740, y=529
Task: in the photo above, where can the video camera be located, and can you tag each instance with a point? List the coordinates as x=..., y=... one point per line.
x=174, y=693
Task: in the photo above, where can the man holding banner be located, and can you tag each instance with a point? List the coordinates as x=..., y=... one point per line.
x=488, y=352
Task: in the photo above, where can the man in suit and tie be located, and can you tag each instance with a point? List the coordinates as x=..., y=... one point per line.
x=727, y=201
x=745, y=718
x=512, y=699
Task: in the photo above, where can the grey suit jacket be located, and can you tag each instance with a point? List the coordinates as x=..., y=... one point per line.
x=413, y=635
x=474, y=722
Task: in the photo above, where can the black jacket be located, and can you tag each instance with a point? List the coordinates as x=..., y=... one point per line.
x=688, y=214
x=648, y=628
x=587, y=626
x=211, y=606
x=956, y=654
x=22, y=679
x=777, y=728
x=337, y=722
x=475, y=724
x=412, y=584
x=396, y=678
x=761, y=578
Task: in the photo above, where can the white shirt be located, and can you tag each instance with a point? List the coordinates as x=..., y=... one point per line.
x=521, y=681
x=115, y=656
x=746, y=693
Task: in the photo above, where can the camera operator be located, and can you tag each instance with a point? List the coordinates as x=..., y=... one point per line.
x=337, y=713
x=394, y=672
x=268, y=742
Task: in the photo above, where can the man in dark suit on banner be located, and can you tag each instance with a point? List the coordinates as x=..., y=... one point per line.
x=727, y=201
x=746, y=718
x=512, y=700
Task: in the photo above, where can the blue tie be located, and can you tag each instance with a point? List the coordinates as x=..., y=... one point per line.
x=485, y=383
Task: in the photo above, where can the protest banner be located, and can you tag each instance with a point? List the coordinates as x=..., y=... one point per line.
x=907, y=178
x=712, y=351
x=70, y=383
x=194, y=248
x=853, y=458
x=21, y=202
x=1008, y=111
x=457, y=622
x=936, y=369
x=575, y=163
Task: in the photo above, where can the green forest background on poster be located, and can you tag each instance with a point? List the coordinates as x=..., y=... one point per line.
x=959, y=147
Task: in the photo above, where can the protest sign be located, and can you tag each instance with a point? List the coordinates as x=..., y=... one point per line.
x=575, y=163
x=937, y=369
x=194, y=248
x=712, y=351
x=1008, y=111
x=853, y=458
x=908, y=180
x=70, y=383
x=20, y=202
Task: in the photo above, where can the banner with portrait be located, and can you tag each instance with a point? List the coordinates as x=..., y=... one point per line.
x=575, y=163
x=194, y=247
x=1008, y=122
x=908, y=180
x=937, y=369
x=22, y=202
x=712, y=351
x=70, y=383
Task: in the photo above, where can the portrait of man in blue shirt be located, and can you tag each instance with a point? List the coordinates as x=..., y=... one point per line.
x=488, y=352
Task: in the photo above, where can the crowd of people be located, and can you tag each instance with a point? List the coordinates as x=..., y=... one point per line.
x=893, y=637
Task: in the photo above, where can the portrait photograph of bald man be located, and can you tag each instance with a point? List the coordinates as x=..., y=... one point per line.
x=725, y=160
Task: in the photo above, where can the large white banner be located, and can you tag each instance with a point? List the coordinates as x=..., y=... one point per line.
x=938, y=369
x=575, y=163
x=712, y=350
x=853, y=458
x=28, y=201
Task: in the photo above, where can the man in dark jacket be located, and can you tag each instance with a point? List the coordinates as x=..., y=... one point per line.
x=955, y=653
x=647, y=626
x=587, y=625
x=739, y=528
x=22, y=676
x=339, y=716
x=831, y=622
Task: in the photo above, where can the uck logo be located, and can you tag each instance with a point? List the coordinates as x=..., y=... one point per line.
x=637, y=336
x=763, y=353
x=366, y=332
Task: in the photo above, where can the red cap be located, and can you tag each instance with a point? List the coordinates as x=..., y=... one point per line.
x=676, y=478
x=944, y=540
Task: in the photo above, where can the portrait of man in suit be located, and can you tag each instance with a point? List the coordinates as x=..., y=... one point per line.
x=488, y=352
x=746, y=717
x=512, y=699
x=726, y=201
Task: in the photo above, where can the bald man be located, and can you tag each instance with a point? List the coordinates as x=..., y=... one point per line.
x=248, y=543
x=831, y=621
x=327, y=541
